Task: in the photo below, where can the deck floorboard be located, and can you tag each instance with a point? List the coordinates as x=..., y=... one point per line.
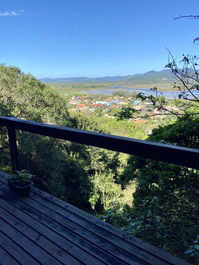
x=6, y=258
x=42, y=229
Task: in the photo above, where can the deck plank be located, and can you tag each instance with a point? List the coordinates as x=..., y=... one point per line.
x=6, y=259
x=37, y=223
x=51, y=220
x=32, y=249
x=113, y=234
x=74, y=231
x=59, y=233
x=15, y=250
x=56, y=232
x=35, y=236
x=98, y=234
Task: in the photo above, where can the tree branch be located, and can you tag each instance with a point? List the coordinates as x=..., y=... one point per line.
x=187, y=16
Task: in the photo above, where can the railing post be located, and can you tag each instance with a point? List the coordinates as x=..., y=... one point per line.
x=13, y=148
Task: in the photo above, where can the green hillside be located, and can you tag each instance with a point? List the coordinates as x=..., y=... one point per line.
x=148, y=77
x=65, y=169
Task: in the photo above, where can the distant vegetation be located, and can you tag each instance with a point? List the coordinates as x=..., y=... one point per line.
x=82, y=88
x=161, y=79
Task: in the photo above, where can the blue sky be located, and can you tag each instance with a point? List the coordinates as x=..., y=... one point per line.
x=65, y=38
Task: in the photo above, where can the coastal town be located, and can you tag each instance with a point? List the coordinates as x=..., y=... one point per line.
x=111, y=105
x=91, y=103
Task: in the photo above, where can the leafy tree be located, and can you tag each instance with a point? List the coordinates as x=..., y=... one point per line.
x=4, y=148
x=186, y=73
x=70, y=171
x=166, y=200
x=125, y=113
x=53, y=162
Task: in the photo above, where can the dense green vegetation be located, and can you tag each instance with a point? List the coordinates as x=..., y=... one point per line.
x=166, y=199
x=68, y=170
x=164, y=206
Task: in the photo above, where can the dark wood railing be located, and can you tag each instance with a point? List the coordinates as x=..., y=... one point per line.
x=163, y=152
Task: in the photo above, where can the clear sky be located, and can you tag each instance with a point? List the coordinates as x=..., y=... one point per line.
x=68, y=38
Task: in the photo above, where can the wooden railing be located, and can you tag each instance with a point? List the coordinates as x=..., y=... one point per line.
x=163, y=152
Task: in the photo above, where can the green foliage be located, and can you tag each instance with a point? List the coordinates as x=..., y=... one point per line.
x=103, y=167
x=4, y=150
x=73, y=172
x=121, y=93
x=28, y=98
x=193, y=250
x=157, y=101
x=125, y=113
x=110, y=125
x=105, y=193
x=82, y=121
x=22, y=176
x=119, y=217
x=166, y=199
x=56, y=169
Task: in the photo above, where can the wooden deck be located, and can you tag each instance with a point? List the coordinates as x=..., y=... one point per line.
x=42, y=229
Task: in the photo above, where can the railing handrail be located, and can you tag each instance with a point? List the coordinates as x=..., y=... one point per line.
x=182, y=156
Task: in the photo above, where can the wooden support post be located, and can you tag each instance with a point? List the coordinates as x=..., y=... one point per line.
x=13, y=148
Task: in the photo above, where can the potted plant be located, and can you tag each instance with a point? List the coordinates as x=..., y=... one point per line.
x=20, y=183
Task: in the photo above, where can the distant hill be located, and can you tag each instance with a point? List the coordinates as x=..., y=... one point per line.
x=148, y=77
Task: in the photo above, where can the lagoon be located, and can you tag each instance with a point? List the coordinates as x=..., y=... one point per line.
x=147, y=92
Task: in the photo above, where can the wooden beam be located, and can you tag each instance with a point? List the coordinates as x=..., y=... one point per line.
x=13, y=148
x=162, y=152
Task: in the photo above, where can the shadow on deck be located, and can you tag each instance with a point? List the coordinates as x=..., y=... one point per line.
x=42, y=229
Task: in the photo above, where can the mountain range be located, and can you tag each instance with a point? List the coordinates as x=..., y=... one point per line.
x=163, y=76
